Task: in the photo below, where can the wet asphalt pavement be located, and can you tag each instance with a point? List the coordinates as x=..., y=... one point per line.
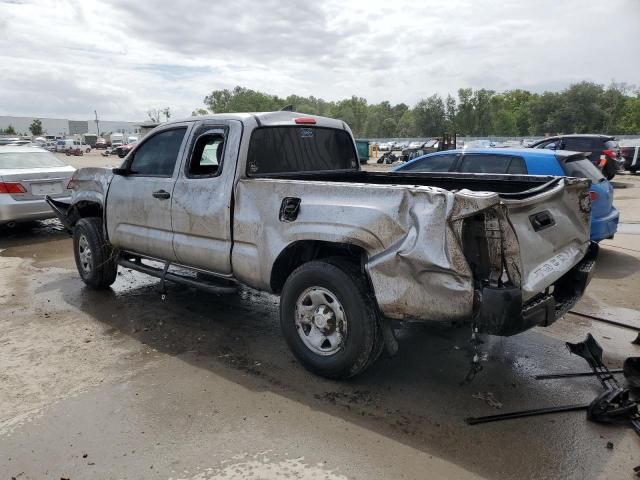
x=120, y=384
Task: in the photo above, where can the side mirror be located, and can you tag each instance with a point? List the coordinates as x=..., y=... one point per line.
x=121, y=171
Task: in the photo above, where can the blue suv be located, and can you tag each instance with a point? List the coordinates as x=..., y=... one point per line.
x=604, y=216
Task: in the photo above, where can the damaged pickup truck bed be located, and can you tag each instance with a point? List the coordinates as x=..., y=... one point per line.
x=277, y=201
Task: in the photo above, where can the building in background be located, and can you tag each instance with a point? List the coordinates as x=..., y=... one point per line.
x=62, y=127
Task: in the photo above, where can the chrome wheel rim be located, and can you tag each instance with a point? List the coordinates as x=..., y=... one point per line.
x=84, y=254
x=321, y=321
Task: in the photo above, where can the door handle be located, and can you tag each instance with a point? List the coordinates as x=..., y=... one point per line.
x=162, y=195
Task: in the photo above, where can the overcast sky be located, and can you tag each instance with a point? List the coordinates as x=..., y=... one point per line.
x=123, y=57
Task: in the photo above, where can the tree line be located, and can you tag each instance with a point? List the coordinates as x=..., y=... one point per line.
x=583, y=107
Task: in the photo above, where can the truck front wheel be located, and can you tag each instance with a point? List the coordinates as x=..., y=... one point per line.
x=95, y=259
x=328, y=318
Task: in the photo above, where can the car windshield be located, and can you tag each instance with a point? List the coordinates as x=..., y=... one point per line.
x=583, y=168
x=29, y=160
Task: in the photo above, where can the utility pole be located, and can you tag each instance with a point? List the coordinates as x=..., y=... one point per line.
x=97, y=122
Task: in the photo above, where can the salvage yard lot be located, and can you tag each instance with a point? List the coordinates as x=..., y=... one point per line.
x=121, y=384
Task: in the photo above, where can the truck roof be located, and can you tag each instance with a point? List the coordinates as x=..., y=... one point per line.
x=269, y=119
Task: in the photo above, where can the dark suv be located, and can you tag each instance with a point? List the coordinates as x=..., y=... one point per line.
x=604, y=151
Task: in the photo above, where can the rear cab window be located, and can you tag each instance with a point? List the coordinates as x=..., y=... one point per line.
x=293, y=149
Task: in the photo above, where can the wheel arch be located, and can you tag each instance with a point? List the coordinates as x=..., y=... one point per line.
x=303, y=251
x=84, y=209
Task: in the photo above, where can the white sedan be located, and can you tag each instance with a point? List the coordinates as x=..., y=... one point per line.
x=27, y=174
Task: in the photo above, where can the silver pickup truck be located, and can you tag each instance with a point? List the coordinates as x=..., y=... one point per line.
x=277, y=201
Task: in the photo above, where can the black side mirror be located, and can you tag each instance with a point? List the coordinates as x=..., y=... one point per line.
x=121, y=171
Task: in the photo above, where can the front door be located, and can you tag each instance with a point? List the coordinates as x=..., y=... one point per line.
x=138, y=214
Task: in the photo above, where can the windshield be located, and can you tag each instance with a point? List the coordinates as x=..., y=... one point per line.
x=583, y=168
x=29, y=160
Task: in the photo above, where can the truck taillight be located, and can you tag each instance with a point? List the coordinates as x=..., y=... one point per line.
x=305, y=121
x=11, y=187
x=593, y=195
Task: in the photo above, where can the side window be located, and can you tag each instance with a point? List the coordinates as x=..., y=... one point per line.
x=157, y=156
x=436, y=163
x=517, y=166
x=206, y=158
x=547, y=145
x=491, y=163
x=578, y=144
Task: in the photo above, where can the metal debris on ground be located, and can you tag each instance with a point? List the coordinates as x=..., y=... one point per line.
x=475, y=361
x=489, y=398
x=613, y=406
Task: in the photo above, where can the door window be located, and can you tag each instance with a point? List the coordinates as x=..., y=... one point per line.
x=492, y=163
x=157, y=156
x=548, y=145
x=206, y=159
x=435, y=163
x=579, y=144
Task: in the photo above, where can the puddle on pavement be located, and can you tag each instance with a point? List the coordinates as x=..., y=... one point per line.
x=46, y=243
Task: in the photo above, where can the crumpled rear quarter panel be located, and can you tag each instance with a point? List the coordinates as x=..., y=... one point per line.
x=416, y=271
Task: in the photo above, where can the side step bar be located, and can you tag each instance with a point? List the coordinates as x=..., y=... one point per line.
x=211, y=287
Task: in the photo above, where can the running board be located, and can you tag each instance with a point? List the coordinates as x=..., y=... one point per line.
x=208, y=286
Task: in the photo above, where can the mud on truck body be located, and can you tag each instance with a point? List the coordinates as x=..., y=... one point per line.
x=277, y=202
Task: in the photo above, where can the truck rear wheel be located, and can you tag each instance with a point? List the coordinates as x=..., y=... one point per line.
x=328, y=318
x=94, y=256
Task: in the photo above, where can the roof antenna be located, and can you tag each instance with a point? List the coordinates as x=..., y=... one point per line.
x=288, y=108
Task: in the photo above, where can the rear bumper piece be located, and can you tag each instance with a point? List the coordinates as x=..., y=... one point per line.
x=60, y=210
x=502, y=312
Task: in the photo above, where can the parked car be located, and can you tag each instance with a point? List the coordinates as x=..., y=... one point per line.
x=101, y=143
x=72, y=147
x=123, y=150
x=347, y=250
x=604, y=216
x=603, y=150
x=27, y=174
x=630, y=152
x=482, y=143
x=419, y=148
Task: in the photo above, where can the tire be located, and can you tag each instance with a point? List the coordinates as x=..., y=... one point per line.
x=95, y=258
x=345, y=300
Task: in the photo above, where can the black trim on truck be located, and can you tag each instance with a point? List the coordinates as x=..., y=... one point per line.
x=502, y=312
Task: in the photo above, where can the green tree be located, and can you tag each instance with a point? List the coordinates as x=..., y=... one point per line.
x=199, y=111
x=465, y=116
x=9, y=130
x=430, y=116
x=407, y=125
x=36, y=127
x=630, y=119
